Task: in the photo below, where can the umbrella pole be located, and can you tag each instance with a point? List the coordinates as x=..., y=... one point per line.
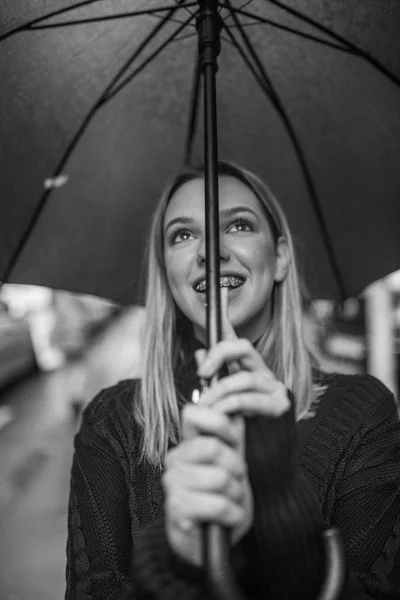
x=215, y=539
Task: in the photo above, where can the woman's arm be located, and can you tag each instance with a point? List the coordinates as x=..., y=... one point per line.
x=99, y=541
x=103, y=562
x=366, y=502
x=160, y=573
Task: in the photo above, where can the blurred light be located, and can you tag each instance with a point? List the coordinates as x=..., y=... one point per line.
x=346, y=346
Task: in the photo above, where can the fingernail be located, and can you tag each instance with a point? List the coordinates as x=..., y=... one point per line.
x=199, y=356
x=203, y=369
x=203, y=384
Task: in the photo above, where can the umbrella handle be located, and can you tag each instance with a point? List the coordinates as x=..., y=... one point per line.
x=216, y=545
x=335, y=573
x=219, y=573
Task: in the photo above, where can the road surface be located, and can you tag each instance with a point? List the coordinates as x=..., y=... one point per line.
x=35, y=458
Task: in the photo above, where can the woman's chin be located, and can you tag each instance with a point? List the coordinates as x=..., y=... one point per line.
x=198, y=309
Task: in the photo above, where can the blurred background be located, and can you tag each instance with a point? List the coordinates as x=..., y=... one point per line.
x=58, y=349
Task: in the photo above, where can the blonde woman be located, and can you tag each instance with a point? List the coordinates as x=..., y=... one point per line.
x=309, y=451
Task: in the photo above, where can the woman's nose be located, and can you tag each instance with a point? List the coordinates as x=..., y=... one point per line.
x=224, y=253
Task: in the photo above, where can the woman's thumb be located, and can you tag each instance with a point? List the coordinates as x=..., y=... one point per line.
x=228, y=333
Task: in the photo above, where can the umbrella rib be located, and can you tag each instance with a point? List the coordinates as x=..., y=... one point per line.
x=113, y=92
x=187, y=6
x=76, y=138
x=258, y=76
x=241, y=7
x=187, y=22
x=247, y=24
x=185, y=37
x=138, y=13
x=35, y=23
x=54, y=13
x=353, y=47
x=280, y=108
x=277, y=25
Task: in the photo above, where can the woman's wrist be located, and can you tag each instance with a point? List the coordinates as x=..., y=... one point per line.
x=154, y=556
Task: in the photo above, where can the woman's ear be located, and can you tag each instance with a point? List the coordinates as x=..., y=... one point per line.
x=282, y=259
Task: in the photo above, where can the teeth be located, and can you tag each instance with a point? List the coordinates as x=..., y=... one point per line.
x=201, y=286
x=229, y=282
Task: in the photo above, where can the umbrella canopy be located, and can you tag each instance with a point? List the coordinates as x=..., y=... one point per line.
x=317, y=116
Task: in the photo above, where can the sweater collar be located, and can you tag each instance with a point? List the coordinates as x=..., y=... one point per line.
x=186, y=379
x=185, y=375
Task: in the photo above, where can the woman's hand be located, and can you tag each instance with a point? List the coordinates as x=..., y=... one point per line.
x=252, y=389
x=205, y=481
x=205, y=478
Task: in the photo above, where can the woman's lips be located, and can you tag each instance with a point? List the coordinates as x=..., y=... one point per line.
x=232, y=293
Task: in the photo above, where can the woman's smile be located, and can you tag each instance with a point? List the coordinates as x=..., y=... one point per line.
x=233, y=291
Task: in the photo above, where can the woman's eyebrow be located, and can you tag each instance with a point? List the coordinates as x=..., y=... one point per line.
x=180, y=220
x=231, y=212
x=224, y=214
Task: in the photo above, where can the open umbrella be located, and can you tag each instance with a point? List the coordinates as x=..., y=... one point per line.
x=108, y=107
x=95, y=112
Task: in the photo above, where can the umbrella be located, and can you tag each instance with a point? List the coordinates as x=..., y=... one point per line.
x=317, y=116
x=327, y=137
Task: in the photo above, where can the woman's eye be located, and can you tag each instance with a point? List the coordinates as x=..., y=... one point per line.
x=242, y=225
x=181, y=235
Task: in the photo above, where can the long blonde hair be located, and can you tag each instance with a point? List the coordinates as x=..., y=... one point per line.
x=282, y=345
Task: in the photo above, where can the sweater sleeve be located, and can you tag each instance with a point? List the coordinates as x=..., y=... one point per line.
x=160, y=574
x=99, y=535
x=104, y=560
x=281, y=555
x=366, y=499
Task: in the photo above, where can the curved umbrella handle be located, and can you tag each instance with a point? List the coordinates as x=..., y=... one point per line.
x=335, y=565
x=222, y=583
x=219, y=574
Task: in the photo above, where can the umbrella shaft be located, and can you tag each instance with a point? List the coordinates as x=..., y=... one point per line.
x=208, y=27
x=215, y=538
x=214, y=332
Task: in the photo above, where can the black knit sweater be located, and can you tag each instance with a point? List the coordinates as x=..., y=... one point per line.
x=349, y=468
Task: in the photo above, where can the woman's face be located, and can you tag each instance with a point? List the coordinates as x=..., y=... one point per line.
x=250, y=261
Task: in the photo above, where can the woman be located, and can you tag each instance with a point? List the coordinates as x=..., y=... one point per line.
x=326, y=453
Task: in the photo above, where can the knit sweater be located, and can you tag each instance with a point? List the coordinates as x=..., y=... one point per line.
x=351, y=461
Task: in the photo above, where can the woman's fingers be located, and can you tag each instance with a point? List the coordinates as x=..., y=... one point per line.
x=206, y=478
x=207, y=451
x=228, y=351
x=200, y=356
x=201, y=420
x=248, y=393
x=187, y=507
x=236, y=353
x=243, y=381
x=227, y=328
x=253, y=404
